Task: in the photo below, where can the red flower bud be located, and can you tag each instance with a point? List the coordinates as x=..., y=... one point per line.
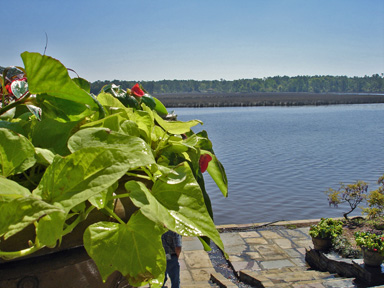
x=8, y=87
x=204, y=161
x=136, y=90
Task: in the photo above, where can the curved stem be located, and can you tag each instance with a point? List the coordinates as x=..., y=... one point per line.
x=29, y=179
x=114, y=215
x=119, y=196
x=138, y=176
x=21, y=253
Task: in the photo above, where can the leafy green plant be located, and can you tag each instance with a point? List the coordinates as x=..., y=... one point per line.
x=370, y=241
x=353, y=194
x=326, y=228
x=110, y=166
x=344, y=247
x=375, y=201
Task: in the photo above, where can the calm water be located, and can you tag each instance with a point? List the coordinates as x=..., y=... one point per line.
x=280, y=160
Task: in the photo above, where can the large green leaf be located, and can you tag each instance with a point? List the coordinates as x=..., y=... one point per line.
x=83, y=84
x=139, y=150
x=10, y=190
x=149, y=101
x=53, y=135
x=160, y=108
x=176, y=127
x=116, y=122
x=145, y=122
x=17, y=153
x=44, y=156
x=16, y=127
x=48, y=75
x=108, y=101
x=21, y=212
x=86, y=173
x=135, y=249
x=50, y=228
x=217, y=172
x=63, y=110
x=176, y=202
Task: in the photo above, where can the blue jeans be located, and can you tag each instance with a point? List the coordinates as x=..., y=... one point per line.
x=173, y=270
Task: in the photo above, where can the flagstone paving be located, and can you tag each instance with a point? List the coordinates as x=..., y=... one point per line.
x=265, y=257
x=269, y=257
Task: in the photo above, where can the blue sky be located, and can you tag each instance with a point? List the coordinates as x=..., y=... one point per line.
x=198, y=39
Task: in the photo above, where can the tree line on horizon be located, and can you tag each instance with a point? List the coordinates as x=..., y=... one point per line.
x=311, y=84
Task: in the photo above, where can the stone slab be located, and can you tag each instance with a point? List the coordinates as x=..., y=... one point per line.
x=191, y=244
x=197, y=259
x=276, y=264
x=231, y=239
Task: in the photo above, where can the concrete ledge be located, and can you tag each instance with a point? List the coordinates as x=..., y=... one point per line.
x=306, y=222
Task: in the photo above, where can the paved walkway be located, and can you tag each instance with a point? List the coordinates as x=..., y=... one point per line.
x=265, y=257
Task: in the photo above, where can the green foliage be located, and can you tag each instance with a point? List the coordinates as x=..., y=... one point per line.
x=375, y=201
x=343, y=246
x=353, y=194
x=312, y=84
x=356, y=193
x=370, y=241
x=67, y=157
x=326, y=228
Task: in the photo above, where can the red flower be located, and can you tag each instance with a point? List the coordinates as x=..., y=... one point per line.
x=8, y=87
x=204, y=161
x=136, y=90
x=374, y=249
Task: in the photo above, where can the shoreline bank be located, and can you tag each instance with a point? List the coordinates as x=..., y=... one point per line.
x=196, y=100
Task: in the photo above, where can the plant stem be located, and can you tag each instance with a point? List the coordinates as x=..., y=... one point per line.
x=14, y=104
x=21, y=253
x=138, y=175
x=109, y=210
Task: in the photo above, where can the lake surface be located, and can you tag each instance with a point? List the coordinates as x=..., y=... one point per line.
x=280, y=160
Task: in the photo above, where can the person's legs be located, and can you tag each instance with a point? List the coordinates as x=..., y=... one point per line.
x=173, y=270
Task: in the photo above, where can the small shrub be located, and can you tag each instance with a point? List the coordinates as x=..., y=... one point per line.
x=326, y=228
x=343, y=246
x=370, y=241
x=353, y=194
x=375, y=201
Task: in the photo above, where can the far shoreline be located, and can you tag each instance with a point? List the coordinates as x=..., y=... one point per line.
x=193, y=100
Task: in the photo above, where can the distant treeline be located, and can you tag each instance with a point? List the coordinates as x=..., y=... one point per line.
x=311, y=84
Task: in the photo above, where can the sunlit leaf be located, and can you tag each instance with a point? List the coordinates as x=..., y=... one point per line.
x=47, y=75
x=160, y=108
x=149, y=101
x=127, y=248
x=176, y=202
x=176, y=127
x=21, y=212
x=50, y=227
x=10, y=190
x=63, y=110
x=87, y=172
x=83, y=84
x=44, y=156
x=217, y=172
x=17, y=153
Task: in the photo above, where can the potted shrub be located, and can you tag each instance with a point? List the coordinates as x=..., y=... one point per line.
x=372, y=246
x=106, y=172
x=324, y=232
